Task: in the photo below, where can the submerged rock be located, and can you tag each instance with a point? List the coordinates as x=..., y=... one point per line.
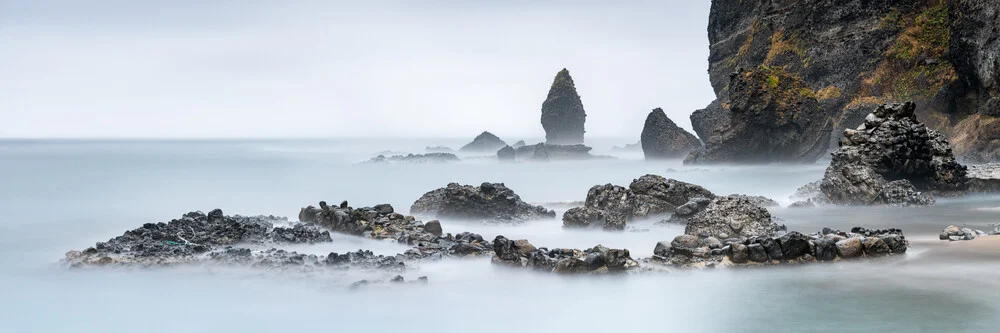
x=773, y=116
x=661, y=138
x=563, y=116
x=892, y=159
x=596, y=260
x=416, y=158
x=493, y=202
x=485, y=142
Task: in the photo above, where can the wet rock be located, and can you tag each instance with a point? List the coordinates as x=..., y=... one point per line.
x=653, y=195
x=875, y=247
x=739, y=253
x=563, y=116
x=614, y=201
x=825, y=249
x=485, y=142
x=583, y=217
x=954, y=233
x=492, y=202
x=300, y=234
x=849, y=248
x=794, y=245
x=711, y=242
x=661, y=138
x=756, y=253
x=662, y=249
x=433, y=227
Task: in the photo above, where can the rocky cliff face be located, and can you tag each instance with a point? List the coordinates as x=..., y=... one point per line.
x=562, y=112
x=772, y=117
x=662, y=138
x=857, y=54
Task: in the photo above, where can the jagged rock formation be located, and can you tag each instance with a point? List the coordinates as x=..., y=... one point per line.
x=484, y=142
x=612, y=206
x=773, y=117
x=416, y=158
x=562, y=112
x=506, y=154
x=892, y=159
x=596, y=260
x=727, y=217
x=518, y=144
x=856, y=55
x=691, y=251
x=661, y=138
x=493, y=202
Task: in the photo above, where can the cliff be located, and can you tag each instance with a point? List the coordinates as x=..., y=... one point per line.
x=857, y=54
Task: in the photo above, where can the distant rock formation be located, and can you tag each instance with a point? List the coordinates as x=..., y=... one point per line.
x=892, y=159
x=631, y=147
x=772, y=117
x=492, y=202
x=415, y=158
x=484, y=142
x=562, y=112
x=506, y=154
x=661, y=138
x=546, y=152
x=439, y=149
x=518, y=144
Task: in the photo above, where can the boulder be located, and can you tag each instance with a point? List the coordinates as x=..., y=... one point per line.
x=654, y=195
x=773, y=116
x=493, y=202
x=825, y=249
x=875, y=247
x=794, y=244
x=739, y=253
x=485, y=142
x=563, y=116
x=583, y=217
x=661, y=138
x=756, y=253
x=892, y=158
x=728, y=217
x=849, y=248
x=433, y=227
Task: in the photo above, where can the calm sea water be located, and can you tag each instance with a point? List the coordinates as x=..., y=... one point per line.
x=57, y=196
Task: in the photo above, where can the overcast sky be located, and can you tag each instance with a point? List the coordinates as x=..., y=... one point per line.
x=205, y=69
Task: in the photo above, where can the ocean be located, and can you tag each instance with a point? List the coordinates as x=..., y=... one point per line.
x=61, y=195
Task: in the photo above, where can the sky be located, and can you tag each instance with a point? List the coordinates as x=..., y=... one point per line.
x=286, y=69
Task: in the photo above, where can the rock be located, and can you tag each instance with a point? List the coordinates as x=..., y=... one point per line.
x=570, y=266
x=734, y=217
x=794, y=245
x=739, y=253
x=662, y=249
x=711, y=242
x=773, y=116
x=433, y=227
x=654, y=195
x=757, y=200
x=416, y=158
x=895, y=146
x=506, y=154
x=875, y=247
x=583, y=217
x=631, y=147
x=825, y=249
x=685, y=241
x=954, y=233
x=546, y=152
x=756, y=253
x=384, y=209
x=518, y=144
x=524, y=248
x=505, y=252
x=614, y=201
x=563, y=116
x=849, y=248
x=493, y=202
x=661, y=138
x=802, y=204
x=483, y=143
x=439, y=149
x=771, y=247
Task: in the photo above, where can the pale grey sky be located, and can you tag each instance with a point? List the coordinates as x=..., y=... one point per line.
x=206, y=69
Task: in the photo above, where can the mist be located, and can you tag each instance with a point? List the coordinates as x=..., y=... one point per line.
x=247, y=69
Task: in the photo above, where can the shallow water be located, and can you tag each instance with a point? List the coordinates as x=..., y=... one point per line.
x=64, y=195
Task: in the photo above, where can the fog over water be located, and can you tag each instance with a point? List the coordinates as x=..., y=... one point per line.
x=65, y=195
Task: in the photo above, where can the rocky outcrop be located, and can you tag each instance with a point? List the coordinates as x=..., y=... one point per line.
x=518, y=144
x=661, y=138
x=190, y=238
x=729, y=217
x=543, y=152
x=416, y=158
x=892, y=159
x=955, y=233
x=596, y=260
x=612, y=206
x=506, y=154
x=690, y=251
x=856, y=55
x=772, y=117
x=439, y=149
x=493, y=202
x=485, y=142
x=562, y=112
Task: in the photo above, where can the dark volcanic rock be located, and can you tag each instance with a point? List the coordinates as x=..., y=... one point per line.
x=596, y=260
x=489, y=201
x=518, y=144
x=483, y=143
x=773, y=117
x=563, y=116
x=585, y=217
x=545, y=152
x=661, y=138
x=647, y=196
x=890, y=159
x=655, y=195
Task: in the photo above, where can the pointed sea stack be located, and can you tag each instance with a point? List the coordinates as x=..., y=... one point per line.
x=484, y=142
x=562, y=112
x=661, y=138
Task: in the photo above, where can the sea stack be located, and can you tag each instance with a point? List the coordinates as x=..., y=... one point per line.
x=484, y=142
x=662, y=138
x=562, y=112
